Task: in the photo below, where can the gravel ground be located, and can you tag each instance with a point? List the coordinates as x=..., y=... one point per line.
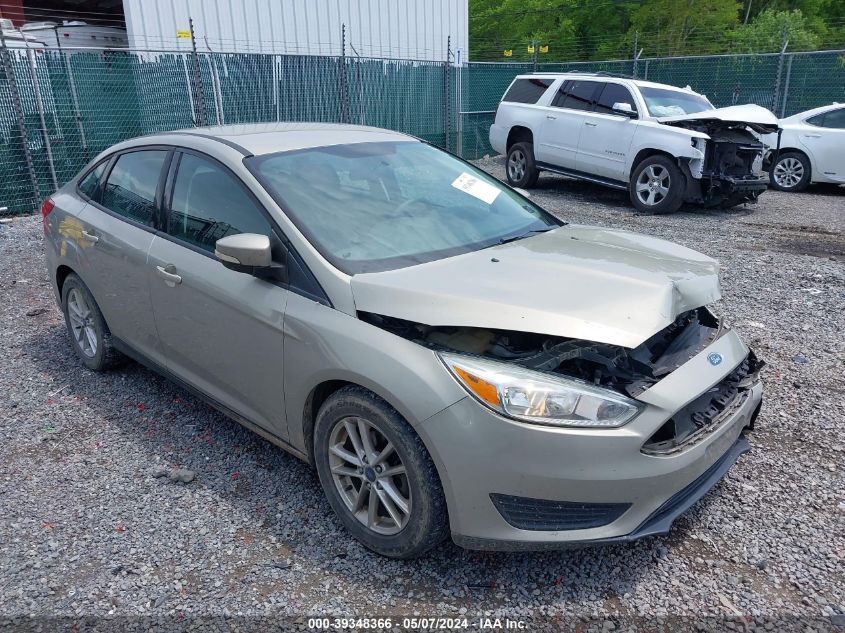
x=89, y=528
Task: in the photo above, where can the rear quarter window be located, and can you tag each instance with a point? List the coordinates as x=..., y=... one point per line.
x=527, y=90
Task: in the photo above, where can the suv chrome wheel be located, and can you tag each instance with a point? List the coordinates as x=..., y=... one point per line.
x=788, y=172
x=653, y=185
x=370, y=476
x=516, y=165
x=82, y=323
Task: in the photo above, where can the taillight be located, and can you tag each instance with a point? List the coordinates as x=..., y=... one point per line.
x=46, y=208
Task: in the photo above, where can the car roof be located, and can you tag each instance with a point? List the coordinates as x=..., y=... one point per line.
x=605, y=77
x=806, y=114
x=268, y=138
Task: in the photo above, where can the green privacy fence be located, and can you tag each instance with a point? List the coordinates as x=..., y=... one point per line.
x=785, y=84
x=58, y=109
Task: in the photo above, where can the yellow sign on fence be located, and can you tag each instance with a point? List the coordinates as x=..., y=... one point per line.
x=509, y=53
x=530, y=49
x=544, y=49
x=183, y=34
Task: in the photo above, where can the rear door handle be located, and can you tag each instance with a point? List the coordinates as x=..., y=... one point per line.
x=590, y=124
x=91, y=239
x=551, y=117
x=168, y=273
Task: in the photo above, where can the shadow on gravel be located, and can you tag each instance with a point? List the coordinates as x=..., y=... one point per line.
x=252, y=477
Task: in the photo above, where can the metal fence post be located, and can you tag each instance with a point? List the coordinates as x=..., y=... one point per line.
x=74, y=97
x=446, y=86
x=534, y=46
x=785, y=96
x=343, y=88
x=636, y=54
x=6, y=60
x=459, y=101
x=784, y=43
x=39, y=105
x=202, y=119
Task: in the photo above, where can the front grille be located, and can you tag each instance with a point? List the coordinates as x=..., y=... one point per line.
x=543, y=514
x=705, y=413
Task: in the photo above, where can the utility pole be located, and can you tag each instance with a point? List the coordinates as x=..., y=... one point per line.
x=534, y=45
x=784, y=42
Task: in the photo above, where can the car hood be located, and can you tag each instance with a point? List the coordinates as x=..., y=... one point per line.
x=577, y=281
x=753, y=116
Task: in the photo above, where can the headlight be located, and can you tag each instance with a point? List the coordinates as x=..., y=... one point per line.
x=539, y=398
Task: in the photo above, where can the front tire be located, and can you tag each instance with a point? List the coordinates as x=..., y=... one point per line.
x=377, y=475
x=89, y=335
x=791, y=172
x=520, y=167
x=657, y=185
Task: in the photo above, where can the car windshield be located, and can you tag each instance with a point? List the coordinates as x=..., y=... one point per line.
x=370, y=207
x=665, y=102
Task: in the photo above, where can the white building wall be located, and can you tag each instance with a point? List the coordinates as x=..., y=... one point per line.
x=405, y=29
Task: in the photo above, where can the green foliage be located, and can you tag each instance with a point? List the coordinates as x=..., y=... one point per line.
x=611, y=29
x=770, y=28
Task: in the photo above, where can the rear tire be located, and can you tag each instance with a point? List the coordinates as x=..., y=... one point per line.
x=393, y=503
x=520, y=167
x=89, y=335
x=791, y=172
x=657, y=185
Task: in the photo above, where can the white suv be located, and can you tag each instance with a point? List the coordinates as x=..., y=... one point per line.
x=665, y=145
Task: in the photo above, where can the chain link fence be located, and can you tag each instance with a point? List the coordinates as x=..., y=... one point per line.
x=59, y=108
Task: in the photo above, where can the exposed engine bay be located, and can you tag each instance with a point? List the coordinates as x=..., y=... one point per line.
x=628, y=371
x=731, y=172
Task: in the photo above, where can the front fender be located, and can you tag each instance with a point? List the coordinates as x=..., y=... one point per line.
x=652, y=136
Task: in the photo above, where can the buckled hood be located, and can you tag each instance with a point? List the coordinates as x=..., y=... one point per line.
x=576, y=281
x=752, y=116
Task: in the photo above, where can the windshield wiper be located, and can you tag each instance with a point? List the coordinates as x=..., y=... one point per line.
x=514, y=238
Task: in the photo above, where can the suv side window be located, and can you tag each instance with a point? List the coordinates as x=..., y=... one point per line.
x=835, y=119
x=209, y=203
x=577, y=94
x=527, y=90
x=614, y=93
x=90, y=184
x=131, y=187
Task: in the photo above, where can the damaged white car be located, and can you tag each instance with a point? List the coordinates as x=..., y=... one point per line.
x=664, y=145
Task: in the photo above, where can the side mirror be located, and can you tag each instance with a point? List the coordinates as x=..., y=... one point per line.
x=245, y=253
x=625, y=109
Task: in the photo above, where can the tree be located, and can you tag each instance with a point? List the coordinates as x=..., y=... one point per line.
x=685, y=27
x=768, y=30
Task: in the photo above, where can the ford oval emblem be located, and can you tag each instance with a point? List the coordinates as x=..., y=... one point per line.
x=714, y=359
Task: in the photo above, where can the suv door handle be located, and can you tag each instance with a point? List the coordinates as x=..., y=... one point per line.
x=551, y=117
x=168, y=273
x=87, y=237
x=590, y=124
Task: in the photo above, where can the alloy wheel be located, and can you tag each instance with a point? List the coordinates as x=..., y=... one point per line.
x=82, y=322
x=653, y=185
x=516, y=165
x=788, y=172
x=370, y=476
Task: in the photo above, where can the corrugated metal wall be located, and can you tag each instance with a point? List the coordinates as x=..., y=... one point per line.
x=397, y=29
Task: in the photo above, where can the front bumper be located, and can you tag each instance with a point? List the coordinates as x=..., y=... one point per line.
x=480, y=453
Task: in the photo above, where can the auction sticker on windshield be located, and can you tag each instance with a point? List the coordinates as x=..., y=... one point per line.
x=473, y=186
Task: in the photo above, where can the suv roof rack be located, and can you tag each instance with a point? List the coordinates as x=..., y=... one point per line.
x=594, y=73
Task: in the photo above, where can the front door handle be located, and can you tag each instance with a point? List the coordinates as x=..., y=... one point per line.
x=813, y=135
x=551, y=117
x=168, y=273
x=87, y=237
x=590, y=124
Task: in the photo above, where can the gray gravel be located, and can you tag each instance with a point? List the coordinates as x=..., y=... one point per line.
x=122, y=495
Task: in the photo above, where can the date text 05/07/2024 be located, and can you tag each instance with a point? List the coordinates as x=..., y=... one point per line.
x=417, y=624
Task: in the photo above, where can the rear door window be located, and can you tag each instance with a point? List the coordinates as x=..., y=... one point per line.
x=577, y=94
x=527, y=90
x=835, y=119
x=131, y=187
x=614, y=93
